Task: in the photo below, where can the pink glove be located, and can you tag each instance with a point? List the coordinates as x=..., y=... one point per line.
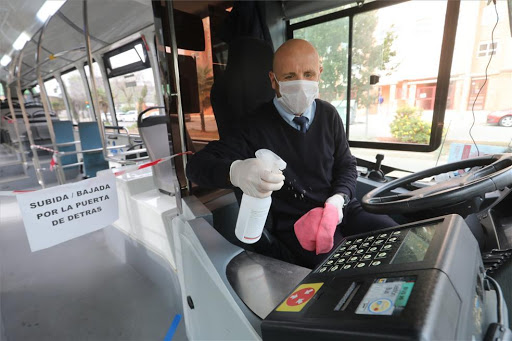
x=306, y=228
x=325, y=234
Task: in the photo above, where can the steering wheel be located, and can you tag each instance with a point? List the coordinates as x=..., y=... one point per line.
x=495, y=174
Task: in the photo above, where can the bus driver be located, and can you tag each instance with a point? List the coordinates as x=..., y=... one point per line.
x=313, y=202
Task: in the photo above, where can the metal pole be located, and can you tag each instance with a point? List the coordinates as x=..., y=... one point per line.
x=14, y=118
x=35, y=156
x=95, y=102
x=108, y=90
x=61, y=178
x=64, y=96
x=174, y=52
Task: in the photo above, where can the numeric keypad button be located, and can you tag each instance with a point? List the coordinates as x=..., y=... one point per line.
x=387, y=247
x=347, y=266
x=341, y=260
x=381, y=255
x=376, y=263
x=361, y=265
x=322, y=269
x=334, y=268
x=367, y=257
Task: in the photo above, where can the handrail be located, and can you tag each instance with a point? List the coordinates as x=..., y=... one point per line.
x=95, y=102
x=177, y=87
x=35, y=156
x=14, y=117
x=118, y=128
x=61, y=178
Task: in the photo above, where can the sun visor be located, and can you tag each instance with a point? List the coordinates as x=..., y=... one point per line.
x=189, y=31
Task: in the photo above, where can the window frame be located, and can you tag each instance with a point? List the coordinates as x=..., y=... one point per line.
x=487, y=52
x=137, y=66
x=443, y=77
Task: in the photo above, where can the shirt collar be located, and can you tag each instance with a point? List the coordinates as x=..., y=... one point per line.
x=288, y=117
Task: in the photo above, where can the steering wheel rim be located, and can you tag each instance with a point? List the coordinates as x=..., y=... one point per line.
x=495, y=174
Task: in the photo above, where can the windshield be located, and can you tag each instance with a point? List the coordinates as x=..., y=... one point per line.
x=394, y=79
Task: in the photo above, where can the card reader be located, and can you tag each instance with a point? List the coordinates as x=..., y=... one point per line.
x=419, y=281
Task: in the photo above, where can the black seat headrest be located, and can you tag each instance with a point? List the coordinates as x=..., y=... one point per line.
x=245, y=84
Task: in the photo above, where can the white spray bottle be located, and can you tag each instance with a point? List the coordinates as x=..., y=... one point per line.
x=253, y=211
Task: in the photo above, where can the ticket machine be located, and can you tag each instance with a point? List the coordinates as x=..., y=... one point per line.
x=420, y=281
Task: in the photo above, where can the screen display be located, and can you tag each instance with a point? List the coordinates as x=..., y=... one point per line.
x=415, y=245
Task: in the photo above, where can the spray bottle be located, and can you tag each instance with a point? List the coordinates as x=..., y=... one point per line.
x=253, y=211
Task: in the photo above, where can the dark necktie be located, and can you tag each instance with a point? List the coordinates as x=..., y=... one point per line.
x=301, y=121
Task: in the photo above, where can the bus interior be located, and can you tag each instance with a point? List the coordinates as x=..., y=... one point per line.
x=94, y=87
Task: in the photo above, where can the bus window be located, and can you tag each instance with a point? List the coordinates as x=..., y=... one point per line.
x=56, y=98
x=28, y=96
x=79, y=104
x=196, y=80
x=102, y=95
x=132, y=83
x=132, y=93
x=333, y=50
x=399, y=107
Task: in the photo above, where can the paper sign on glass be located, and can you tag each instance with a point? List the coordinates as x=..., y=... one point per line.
x=58, y=214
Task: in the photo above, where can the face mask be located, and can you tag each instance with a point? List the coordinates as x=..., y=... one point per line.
x=297, y=96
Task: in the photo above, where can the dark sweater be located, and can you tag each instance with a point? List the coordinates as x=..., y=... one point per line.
x=319, y=162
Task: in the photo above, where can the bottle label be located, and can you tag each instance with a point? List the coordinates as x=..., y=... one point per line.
x=257, y=219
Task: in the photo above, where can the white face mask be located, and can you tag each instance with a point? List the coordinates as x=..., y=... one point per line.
x=297, y=96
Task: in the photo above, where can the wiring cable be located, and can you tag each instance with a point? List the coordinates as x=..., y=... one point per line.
x=492, y=52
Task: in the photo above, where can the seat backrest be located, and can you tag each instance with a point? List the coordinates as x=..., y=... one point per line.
x=63, y=134
x=154, y=133
x=244, y=85
x=90, y=139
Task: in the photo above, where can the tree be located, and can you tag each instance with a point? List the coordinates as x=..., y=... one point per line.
x=368, y=56
x=141, y=102
x=205, y=83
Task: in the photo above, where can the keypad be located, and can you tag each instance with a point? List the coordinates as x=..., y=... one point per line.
x=366, y=252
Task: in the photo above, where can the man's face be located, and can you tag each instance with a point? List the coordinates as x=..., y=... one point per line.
x=296, y=63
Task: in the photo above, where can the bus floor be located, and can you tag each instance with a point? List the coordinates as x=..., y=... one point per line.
x=77, y=290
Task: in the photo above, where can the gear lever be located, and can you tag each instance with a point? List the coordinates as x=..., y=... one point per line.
x=377, y=174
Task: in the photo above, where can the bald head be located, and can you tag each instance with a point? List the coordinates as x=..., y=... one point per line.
x=296, y=59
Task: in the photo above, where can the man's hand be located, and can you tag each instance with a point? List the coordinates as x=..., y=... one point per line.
x=250, y=176
x=315, y=230
x=338, y=202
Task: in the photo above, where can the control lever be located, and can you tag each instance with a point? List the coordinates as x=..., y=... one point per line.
x=377, y=174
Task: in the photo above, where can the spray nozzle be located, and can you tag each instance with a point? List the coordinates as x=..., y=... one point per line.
x=271, y=161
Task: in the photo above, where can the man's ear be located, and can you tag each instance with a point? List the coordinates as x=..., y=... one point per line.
x=272, y=80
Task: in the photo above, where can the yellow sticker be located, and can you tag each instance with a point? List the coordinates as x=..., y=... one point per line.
x=300, y=297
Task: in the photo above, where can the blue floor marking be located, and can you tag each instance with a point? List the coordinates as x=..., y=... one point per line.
x=172, y=329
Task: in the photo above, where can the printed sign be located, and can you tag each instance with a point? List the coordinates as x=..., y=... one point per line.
x=386, y=296
x=300, y=297
x=55, y=215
